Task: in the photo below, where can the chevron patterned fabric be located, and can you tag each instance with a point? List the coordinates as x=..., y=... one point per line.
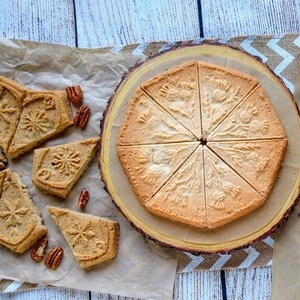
x=280, y=54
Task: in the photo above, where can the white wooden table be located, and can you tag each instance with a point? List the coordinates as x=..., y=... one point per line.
x=102, y=23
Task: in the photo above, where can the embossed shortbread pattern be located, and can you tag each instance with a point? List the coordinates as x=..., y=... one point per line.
x=57, y=169
x=220, y=91
x=148, y=167
x=20, y=221
x=147, y=123
x=228, y=196
x=45, y=114
x=240, y=135
x=92, y=239
x=11, y=100
x=177, y=91
x=258, y=162
x=182, y=198
x=253, y=118
x=28, y=118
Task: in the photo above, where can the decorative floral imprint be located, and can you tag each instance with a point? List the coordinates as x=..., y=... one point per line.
x=189, y=183
x=82, y=233
x=155, y=163
x=13, y=213
x=66, y=161
x=159, y=127
x=179, y=94
x=214, y=99
x=224, y=189
x=245, y=154
x=36, y=121
x=244, y=124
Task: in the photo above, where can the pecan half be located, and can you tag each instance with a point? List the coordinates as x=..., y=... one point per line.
x=82, y=116
x=38, y=252
x=83, y=199
x=74, y=94
x=3, y=160
x=54, y=257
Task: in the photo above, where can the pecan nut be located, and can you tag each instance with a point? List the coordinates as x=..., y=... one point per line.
x=82, y=116
x=3, y=160
x=54, y=257
x=74, y=94
x=83, y=199
x=38, y=252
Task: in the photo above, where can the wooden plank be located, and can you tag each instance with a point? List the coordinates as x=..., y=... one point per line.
x=188, y=286
x=231, y=18
x=248, y=284
x=44, y=21
x=198, y=285
x=102, y=23
x=47, y=294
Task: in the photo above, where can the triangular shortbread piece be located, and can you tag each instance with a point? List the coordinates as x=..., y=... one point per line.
x=148, y=167
x=253, y=118
x=44, y=115
x=221, y=89
x=92, y=239
x=20, y=221
x=11, y=99
x=177, y=91
x=228, y=196
x=146, y=123
x=57, y=169
x=258, y=162
x=182, y=198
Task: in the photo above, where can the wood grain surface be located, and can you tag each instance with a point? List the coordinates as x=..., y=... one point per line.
x=44, y=21
x=100, y=23
x=120, y=22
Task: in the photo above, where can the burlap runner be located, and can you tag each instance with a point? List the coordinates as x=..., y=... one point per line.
x=279, y=53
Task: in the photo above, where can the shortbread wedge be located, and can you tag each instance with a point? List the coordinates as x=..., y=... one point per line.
x=177, y=91
x=228, y=196
x=92, y=239
x=221, y=90
x=45, y=114
x=258, y=162
x=146, y=123
x=20, y=220
x=57, y=169
x=11, y=100
x=182, y=198
x=148, y=167
x=254, y=118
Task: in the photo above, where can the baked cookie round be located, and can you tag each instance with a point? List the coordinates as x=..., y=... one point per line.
x=201, y=144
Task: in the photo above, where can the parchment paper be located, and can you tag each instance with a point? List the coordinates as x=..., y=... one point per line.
x=286, y=256
x=242, y=227
x=141, y=268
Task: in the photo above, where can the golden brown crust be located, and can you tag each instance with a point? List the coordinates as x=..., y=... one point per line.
x=57, y=169
x=20, y=222
x=92, y=239
x=45, y=114
x=234, y=107
x=148, y=167
x=177, y=91
x=11, y=100
x=146, y=123
x=254, y=118
x=257, y=161
x=228, y=196
x=221, y=89
x=182, y=198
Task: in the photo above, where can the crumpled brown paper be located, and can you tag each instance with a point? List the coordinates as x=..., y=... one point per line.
x=141, y=268
x=286, y=257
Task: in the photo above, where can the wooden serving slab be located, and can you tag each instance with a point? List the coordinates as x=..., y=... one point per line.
x=236, y=234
